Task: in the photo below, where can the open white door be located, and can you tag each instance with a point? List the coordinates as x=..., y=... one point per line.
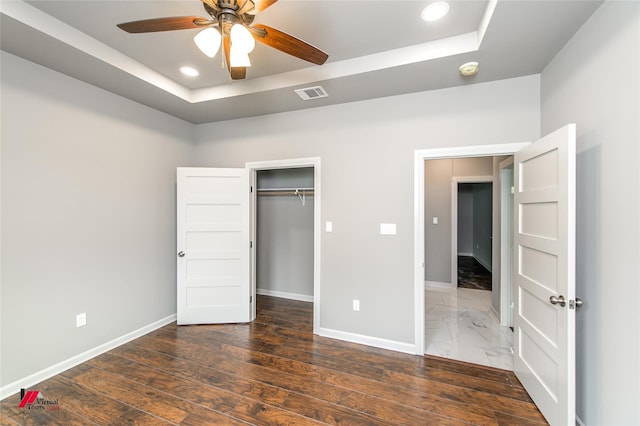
x=213, y=246
x=544, y=272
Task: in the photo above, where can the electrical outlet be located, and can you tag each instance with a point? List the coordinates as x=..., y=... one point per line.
x=81, y=319
x=356, y=305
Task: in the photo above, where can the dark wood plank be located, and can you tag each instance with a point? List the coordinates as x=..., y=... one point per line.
x=238, y=360
x=11, y=415
x=214, y=377
x=328, y=413
x=273, y=371
x=468, y=395
x=507, y=420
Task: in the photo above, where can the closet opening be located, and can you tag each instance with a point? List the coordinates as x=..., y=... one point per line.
x=285, y=239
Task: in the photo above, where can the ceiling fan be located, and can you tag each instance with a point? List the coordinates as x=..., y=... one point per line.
x=230, y=26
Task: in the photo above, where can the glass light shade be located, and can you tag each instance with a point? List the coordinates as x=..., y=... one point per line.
x=208, y=41
x=435, y=11
x=238, y=58
x=242, y=39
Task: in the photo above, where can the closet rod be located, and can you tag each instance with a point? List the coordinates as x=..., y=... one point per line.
x=284, y=189
x=299, y=192
x=309, y=193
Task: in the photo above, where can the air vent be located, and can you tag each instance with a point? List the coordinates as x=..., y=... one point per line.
x=311, y=93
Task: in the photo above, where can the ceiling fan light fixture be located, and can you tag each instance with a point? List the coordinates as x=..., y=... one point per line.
x=238, y=58
x=434, y=11
x=208, y=41
x=241, y=39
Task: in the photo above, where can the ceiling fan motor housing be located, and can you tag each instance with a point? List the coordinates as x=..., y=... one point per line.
x=230, y=12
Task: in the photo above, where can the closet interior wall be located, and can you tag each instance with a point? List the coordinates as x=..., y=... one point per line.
x=284, y=227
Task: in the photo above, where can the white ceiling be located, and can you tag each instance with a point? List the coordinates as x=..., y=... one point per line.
x=376, y=48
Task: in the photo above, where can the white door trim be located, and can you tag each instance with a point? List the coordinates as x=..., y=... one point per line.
x=455, y=180
x=418, y=217
x=506, y=245
x=288, y=164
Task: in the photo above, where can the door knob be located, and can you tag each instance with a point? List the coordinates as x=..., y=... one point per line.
x=180, y=254
x=578, y=303
x=557, y=300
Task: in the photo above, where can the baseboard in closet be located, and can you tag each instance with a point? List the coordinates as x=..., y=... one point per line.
x=285, y=295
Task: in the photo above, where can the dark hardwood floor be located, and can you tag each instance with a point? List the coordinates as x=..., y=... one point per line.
x=471, y=274
x=272, y=372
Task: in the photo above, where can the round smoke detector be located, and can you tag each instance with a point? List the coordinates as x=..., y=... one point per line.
x=470, y=68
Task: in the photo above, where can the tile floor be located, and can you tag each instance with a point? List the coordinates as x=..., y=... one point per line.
x=458, y=325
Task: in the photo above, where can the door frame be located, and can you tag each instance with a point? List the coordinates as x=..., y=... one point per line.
x=455, y=180
x=418, y=217
x=506, y=244
x=314, y=162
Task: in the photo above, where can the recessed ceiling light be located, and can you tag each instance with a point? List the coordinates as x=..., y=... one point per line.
x=434, y=11
x=468, y=69
x=189, y=71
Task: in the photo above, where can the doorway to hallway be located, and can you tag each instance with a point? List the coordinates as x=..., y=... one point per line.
x=459, y=325
x=460, y=320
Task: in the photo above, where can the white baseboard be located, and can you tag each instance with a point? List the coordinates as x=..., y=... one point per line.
x=285, y=295
x=392, y=345
x=495, y=314
x=439, y=284
x=466, y=254
x=58, y=368
x=487, y=267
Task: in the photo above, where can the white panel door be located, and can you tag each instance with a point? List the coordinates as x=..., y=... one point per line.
x=213, y=252
x=544, y=272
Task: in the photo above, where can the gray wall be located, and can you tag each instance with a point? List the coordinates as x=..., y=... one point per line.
x=88, y=216
x=367, y=151
x=465, y=219
x=482, y=217
x=475, y=221
x=437, y=203
x=594, y=82
x=284, y=246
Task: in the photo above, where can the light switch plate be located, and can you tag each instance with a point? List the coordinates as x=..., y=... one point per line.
x=387, y=229
x=81, y=319
x=435, y=221
x=329, y=227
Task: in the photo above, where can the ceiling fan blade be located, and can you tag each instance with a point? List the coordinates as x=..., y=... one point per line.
x=289, y=44
x=166, y=24
x=263, y=4
x=237, y=73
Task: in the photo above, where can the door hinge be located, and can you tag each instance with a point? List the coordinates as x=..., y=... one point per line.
x=251, y=189
x=250, y=299
x=250, y=244
x=574, y=304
